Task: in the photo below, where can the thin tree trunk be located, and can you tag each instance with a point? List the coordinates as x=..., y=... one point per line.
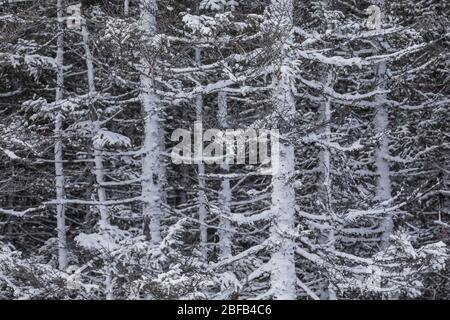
x=126, y=8
x=202, y=210
x=327, y=179
x=384, y=183
x=151, y=166
x=59, y=167
x=225, y=192
x=98, y=156
x=384, y=188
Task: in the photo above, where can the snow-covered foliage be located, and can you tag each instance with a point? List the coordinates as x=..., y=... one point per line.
x=92, y=207
x=107, y=138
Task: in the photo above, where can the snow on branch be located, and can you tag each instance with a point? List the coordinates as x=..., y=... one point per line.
x=20, y=214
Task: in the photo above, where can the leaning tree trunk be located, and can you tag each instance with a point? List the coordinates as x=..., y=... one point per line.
x=98, y=155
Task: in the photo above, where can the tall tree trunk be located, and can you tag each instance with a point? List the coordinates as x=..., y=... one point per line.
x=151, y=166
x=59, y=167
x=384, y=184
x=326, y=193
x=283, y=276
x=225, y=192
x=202, y=210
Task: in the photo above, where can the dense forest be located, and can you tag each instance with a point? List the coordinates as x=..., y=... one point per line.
x=99, y=201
